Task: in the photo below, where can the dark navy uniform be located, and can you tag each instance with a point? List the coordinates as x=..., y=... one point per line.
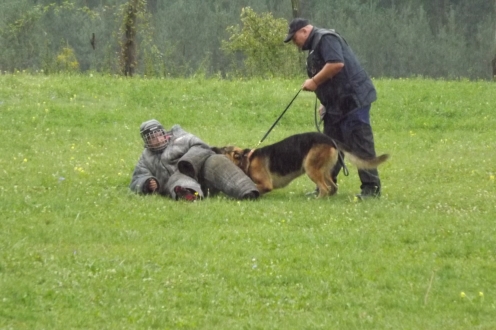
x=347, y=98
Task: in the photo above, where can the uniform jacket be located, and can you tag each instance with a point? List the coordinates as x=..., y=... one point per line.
x=349, y=89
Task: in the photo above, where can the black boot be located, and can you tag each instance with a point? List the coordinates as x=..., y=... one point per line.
x=369, y=192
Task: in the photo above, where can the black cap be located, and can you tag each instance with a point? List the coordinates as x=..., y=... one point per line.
x=294, y=26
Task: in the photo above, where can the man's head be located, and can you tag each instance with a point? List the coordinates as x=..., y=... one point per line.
x=298, y=32
x=154, y=135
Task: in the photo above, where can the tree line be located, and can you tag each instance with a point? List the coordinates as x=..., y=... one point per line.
x=229, y=38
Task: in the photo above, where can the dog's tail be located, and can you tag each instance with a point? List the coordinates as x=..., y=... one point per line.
x=361, y=163
x=365, y=164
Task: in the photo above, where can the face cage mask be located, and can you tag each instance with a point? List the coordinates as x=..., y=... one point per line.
x=156, y=140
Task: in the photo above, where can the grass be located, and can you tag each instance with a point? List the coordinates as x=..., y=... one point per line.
x=78, y=250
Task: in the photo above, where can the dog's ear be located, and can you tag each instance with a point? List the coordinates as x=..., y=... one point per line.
x=237, y=153
x=222, y=151
x=246, y=152
x=243, y=161
x=217, y=150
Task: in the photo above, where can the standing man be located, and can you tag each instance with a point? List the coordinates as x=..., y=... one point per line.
x=345, y=92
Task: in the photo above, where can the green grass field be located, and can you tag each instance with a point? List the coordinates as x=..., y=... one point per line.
x=78, y=250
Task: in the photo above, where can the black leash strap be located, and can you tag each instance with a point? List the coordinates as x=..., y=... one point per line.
x=345, y=169
x=317, y=123
x=341, y=159
x=282, y=114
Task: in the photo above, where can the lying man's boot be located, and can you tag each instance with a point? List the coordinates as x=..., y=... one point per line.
x=186, y=194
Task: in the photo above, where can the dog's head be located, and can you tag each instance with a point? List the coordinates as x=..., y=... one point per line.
x=237, y=155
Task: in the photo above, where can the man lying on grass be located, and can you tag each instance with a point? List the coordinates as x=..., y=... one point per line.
x=178, y=164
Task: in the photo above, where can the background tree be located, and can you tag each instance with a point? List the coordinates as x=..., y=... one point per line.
x=129, y=47
x=295, y=7
x=393, y=38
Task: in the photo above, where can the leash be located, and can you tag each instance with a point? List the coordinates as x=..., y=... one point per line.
x=340, y=154
x=317, y=123
x=282, y=114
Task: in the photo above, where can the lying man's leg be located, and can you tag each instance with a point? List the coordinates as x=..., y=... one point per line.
x=181, y=186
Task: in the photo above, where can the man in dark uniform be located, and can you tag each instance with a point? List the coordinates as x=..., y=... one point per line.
x=345, y=92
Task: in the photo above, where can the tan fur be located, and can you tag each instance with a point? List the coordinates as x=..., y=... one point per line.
x=317, y=163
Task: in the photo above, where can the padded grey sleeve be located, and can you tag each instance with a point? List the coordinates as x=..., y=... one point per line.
x=220, y=173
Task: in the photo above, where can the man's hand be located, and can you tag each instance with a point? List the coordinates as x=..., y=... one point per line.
x=309, y=85
x=152, y=185
x=328, y=71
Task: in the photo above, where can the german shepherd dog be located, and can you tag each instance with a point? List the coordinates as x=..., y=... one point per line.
x=276, y=165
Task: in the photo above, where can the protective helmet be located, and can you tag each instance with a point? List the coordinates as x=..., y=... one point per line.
x=154, y=135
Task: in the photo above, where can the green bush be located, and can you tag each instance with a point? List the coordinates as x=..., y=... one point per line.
x=259, y=40
x=67, y=61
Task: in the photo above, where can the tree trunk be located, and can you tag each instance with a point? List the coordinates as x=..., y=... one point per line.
x=493, y=62
x=295, y=6
x=129, y=46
